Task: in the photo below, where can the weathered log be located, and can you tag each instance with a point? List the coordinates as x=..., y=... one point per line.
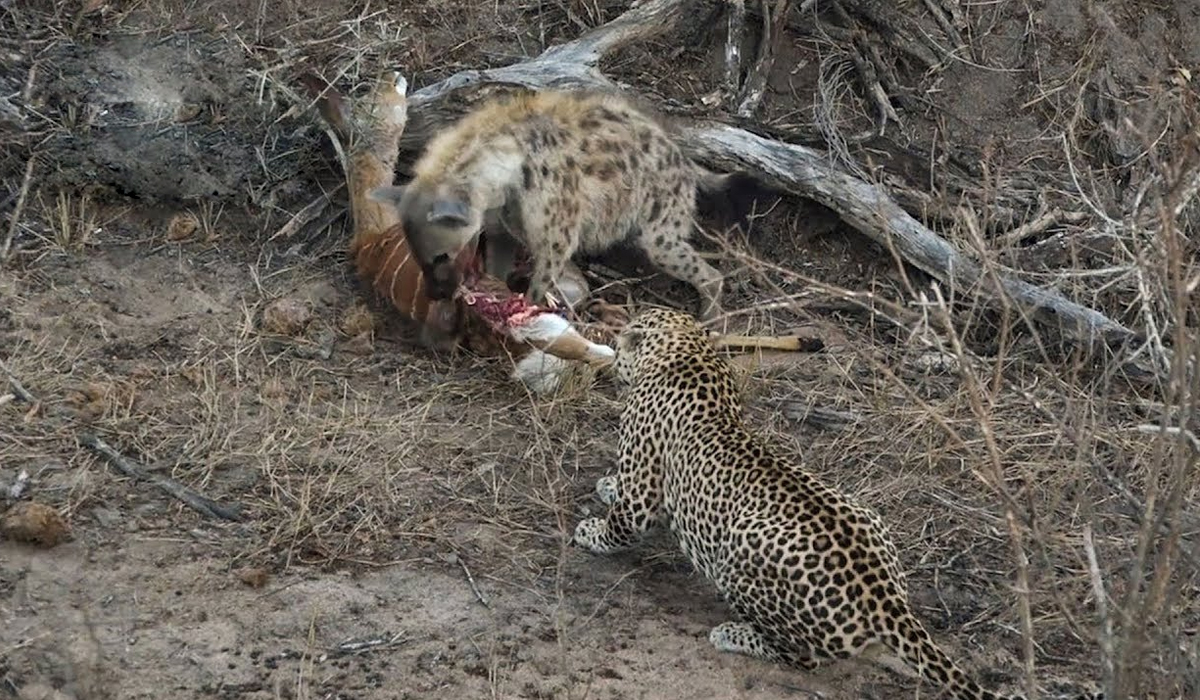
x=809, y=173
x=794, y=169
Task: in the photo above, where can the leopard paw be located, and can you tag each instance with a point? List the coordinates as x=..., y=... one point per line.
x=606, y=489
x=589, y=534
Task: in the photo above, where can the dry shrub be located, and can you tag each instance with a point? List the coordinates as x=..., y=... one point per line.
x=1006, y=456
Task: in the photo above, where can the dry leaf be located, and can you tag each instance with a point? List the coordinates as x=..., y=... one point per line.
x=34, y=523
x=182, y=226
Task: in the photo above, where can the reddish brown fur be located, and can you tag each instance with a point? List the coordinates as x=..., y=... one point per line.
x=370, y=133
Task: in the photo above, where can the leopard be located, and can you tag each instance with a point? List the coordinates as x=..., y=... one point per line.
x=573, y=171
x=811, y=574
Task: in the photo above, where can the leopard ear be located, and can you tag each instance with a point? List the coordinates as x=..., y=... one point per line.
x=629, y=340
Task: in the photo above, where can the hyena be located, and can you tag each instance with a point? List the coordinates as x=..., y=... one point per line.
x=583, y=171
x=369, y=132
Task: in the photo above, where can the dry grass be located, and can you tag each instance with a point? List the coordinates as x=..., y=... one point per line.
x=1041, y=501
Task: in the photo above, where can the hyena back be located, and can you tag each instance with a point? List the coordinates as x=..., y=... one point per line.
x=585, y=170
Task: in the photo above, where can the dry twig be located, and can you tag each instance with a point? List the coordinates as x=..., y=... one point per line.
x=202, y=504
x=470, y=579
x=756, y=83
x=1028, y=229
x=735, y=29
x=16, y=385
x=15, y=218
x=311, y=211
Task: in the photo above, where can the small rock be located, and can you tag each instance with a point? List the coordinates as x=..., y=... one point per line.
x=182, y=226
x=286, y=316
x=40, y=691
x=321, y=294
x=106, y=518
x=357, y=320
x=254, y=577
x=361, y=344
x=34, y=523
x=936, y=362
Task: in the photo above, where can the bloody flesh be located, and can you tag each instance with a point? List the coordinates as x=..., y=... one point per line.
x=491, y=299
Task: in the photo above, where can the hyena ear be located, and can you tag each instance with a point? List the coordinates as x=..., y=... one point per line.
x=451, y=212
x=388, y=194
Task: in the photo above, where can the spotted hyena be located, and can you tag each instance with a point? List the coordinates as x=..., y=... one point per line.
x=582, y=171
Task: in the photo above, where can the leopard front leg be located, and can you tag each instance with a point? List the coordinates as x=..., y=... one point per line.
x=634, y=500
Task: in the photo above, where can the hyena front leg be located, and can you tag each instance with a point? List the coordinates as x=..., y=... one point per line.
x=665, y=243
x=551, y=236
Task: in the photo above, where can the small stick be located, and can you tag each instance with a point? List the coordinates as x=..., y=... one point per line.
x=352, y=647
x=310, y=211
x=202, y=504
x=19, y=388
x=1023, y=606
x=1038, y=225
x=471, y=580
x=1101, y=603
x=756, y=83
x=733, y=45
x=16, y=212
x=818, y=416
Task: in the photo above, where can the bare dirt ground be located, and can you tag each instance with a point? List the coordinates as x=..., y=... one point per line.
x=406, y=515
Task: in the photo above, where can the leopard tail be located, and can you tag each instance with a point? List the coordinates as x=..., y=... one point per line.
x=912, y=643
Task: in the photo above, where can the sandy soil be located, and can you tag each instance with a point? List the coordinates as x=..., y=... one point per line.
x=407, y=514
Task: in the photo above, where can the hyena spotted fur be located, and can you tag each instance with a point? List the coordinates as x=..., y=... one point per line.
x=580, y=171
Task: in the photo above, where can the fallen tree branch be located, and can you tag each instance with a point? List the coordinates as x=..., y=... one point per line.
x=786, y=167
x=572, y=65
x=808, y=173
x=756, y=81
x=202, y=504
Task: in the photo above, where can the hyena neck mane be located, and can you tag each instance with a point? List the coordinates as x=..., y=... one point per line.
x=480, y=169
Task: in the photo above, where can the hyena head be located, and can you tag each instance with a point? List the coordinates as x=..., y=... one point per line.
x=439, y=221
